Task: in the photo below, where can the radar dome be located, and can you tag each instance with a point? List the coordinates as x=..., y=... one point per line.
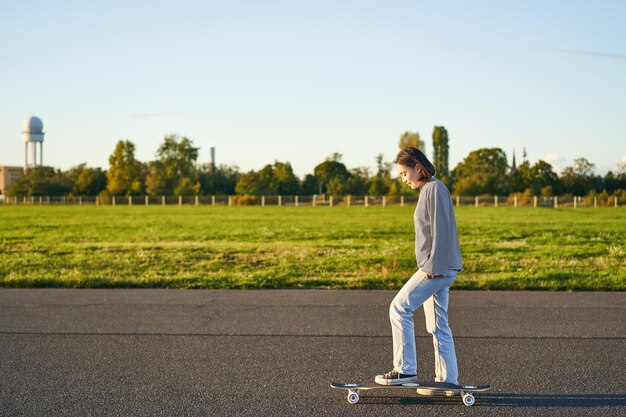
x=33, y=125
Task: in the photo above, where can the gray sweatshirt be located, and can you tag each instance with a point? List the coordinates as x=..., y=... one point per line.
x=436, y=240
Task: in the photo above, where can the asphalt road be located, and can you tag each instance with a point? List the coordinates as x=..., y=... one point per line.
x=254, y=353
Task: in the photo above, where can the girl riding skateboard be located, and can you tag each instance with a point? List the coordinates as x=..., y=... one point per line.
x=438, y=256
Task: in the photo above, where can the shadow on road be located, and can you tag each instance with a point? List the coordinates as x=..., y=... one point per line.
x=510, y=400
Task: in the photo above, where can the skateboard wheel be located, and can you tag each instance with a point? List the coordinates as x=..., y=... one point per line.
x=468, y=399
x=353, y=397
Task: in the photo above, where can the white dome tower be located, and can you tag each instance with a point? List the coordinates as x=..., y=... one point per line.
x=33, y=135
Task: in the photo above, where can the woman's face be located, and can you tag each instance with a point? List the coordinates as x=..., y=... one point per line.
x=411, y=176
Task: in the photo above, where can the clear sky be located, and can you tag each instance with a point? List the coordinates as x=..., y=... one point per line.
x=299, y=80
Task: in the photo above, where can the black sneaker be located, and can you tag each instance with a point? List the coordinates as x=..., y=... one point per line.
x=395, y=378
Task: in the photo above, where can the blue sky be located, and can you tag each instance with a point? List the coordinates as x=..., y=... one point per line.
x=299, y=80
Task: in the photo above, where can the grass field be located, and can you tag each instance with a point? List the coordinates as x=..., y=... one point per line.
x=325, y=247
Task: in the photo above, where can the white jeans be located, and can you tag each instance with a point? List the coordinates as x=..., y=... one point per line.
x=433, y=294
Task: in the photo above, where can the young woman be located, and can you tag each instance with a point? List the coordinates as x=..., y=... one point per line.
x=438, y=258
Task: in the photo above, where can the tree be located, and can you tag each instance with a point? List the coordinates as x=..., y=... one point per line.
x=284, y=180
x=278, y=179
x=332, y=170
x=250, y=184
x=395, y=188
x=482, y=172
x=571, y=182
x=218, y=180
x=40, y=181
x=521, y=177
x=411, y=139
x=175, y=171
x=380, y=184
x=85, y=180
x=620, y=181
x=440, y=154
x=542, y=175
x=358, y=181
x=335, y=156
x=178, y=155
x=187, y=187
x=310, y=184
x=583, y=167
x=156, y=183
x=384, y=168
x=338, y=186
x=123, y=176
x=610, y=182
x=577, y=179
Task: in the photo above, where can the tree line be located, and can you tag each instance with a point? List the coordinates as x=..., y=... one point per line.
x=176, y=172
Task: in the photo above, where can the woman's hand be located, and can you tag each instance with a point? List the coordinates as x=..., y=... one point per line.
x=429, y=276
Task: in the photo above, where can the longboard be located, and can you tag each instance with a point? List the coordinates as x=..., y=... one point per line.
x=466, y=391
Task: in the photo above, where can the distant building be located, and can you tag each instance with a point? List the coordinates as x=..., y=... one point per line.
x=8, y=175
x=32, y=134
x=33, y=138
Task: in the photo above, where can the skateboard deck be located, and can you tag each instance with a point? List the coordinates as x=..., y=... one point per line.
x=465, y=391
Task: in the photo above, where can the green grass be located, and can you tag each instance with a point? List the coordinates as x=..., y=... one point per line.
x=311, y=247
